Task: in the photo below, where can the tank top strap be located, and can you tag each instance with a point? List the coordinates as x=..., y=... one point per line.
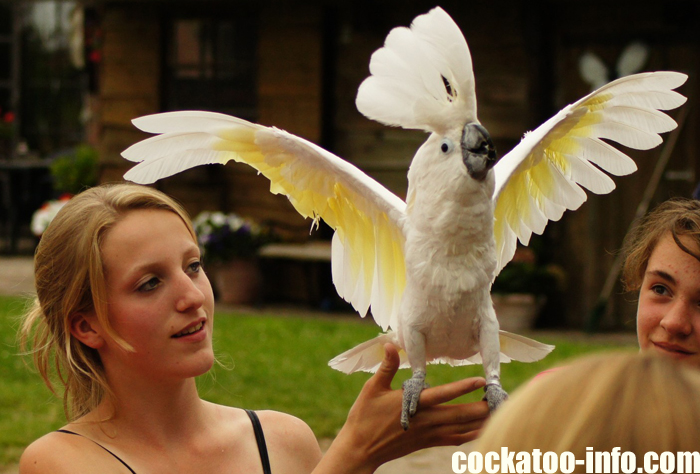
x=98, y=444
x=260, y=439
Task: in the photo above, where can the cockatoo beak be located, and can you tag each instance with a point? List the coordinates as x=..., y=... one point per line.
x=478, y=151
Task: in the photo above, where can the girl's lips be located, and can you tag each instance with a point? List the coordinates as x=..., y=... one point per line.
x=192, y=331
x=672, y=348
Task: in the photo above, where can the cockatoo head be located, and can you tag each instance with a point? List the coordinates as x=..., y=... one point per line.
x=459, y=159
x=478, y=151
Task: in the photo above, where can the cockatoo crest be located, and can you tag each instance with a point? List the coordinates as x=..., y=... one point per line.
x=422, y=78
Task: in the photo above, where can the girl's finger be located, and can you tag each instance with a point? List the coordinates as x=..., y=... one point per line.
x=444, y=393
x=466, y=415
x=386, y=372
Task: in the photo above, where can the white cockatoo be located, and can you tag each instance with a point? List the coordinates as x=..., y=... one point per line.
x=425, y=266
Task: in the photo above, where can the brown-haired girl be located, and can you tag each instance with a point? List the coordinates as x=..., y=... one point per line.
x=663, y=264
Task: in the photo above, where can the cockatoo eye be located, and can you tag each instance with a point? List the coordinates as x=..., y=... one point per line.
x=446, y=146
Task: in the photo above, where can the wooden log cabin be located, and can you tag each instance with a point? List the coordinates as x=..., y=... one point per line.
x=297, y=65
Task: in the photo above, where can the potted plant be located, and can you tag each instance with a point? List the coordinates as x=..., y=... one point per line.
x=75, y=170
x=230, y=245
x=521, y=290
x=71, y=172
x=43, y=216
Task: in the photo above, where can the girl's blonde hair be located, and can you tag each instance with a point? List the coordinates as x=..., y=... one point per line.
x=679, y=216
x=70, y=279
x=637, y=402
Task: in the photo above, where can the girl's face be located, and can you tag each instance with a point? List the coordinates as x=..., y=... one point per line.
x=668, y=315
x=160, y=300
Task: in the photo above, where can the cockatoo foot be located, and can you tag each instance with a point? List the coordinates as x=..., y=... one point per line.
x=495, y=395
x=412, y=389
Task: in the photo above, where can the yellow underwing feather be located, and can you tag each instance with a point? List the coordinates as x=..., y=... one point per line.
x=367, y=256
x=539, y=179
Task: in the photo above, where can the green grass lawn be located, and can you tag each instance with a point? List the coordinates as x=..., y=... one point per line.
x=271, y=362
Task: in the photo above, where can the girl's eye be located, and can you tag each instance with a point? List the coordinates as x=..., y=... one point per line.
x=150, y=285
x=660, y=290
x=195, y=267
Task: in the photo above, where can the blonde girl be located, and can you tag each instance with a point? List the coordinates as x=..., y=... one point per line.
x=124, y=317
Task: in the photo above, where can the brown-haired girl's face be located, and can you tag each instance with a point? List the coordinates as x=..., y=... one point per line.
x=668, y=315
x=159, y=299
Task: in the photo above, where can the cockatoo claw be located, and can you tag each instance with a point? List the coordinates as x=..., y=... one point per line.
x=495, y=395
x=412, y=389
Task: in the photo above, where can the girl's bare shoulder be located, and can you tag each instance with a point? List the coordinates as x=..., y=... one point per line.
x=59, y=453
x=290, y=442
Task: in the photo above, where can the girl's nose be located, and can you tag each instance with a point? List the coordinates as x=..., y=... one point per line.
x=190, y=296
x=677, y=321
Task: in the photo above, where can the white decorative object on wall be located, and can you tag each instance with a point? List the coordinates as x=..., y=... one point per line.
x=595, y=72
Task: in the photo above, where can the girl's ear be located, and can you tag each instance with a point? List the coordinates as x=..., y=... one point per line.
x=85, y=328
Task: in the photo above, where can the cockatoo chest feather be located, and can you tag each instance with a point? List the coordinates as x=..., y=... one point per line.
x=450, y=252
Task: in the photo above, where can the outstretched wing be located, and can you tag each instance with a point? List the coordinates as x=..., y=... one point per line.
x=422, y=78
x=539, y=179
x=367, y=250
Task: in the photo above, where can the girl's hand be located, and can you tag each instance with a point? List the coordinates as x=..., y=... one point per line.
x=372, y=434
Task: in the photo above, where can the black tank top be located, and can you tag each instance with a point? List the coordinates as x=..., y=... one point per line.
x=259, y=438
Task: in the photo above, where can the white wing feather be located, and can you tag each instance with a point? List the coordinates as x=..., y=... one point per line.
x=541, y=177
x=367, y=251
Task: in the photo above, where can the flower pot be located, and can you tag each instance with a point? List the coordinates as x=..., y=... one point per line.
x=238, y=281
x=517, y=311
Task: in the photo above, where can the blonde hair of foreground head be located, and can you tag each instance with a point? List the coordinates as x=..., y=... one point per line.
x=70, y=279
x=637, y=402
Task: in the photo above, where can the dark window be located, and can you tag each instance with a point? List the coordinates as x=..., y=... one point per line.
x=53, y=75
x=7, y=82
x=211, y=65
